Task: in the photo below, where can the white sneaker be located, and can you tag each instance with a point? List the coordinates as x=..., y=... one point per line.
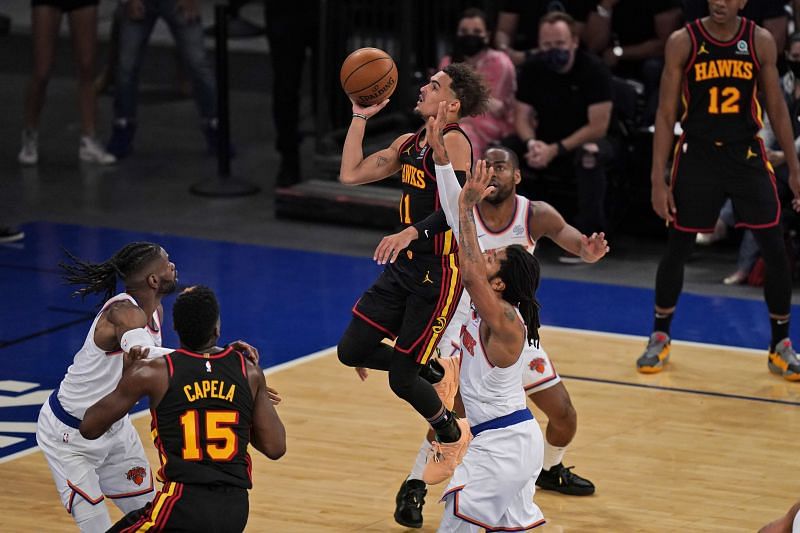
x=29, y=154
x=92, y=151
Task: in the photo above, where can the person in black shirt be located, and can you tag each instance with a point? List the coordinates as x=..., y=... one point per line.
x=566, y=93
x=208, y=403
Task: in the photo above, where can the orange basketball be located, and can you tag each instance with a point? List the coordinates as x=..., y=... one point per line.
x=368, y=76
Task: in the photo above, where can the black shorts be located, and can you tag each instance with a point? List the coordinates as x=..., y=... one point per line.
x=65, y=5
x=188, y=508
x=705, y=173
x=412, y=301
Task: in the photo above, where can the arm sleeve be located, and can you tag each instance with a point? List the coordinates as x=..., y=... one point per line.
x=433, y=224
x=448, y=189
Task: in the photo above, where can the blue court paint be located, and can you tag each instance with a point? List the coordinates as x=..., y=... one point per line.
x=288, y=303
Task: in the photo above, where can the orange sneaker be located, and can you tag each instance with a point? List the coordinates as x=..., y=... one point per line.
x=444, y=457
x=448, y=386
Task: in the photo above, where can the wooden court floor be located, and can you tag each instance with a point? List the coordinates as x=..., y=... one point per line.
x=663, y=460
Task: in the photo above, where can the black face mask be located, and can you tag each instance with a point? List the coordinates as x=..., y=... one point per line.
x=554, y=59
x=794, y=66
x=469, y=45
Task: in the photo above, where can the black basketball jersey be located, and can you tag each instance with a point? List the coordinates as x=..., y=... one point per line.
x=201, y=428
x=720, y=87
x=420, y=197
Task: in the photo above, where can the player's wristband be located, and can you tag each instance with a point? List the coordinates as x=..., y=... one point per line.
x=561, y=149
x=360, y=115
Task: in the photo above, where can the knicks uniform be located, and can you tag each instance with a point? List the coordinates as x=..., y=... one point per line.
x=538, y=372
x=113, y=466
x=415, y=297
x=201, y=429
x=493, y=487
x=719, y=154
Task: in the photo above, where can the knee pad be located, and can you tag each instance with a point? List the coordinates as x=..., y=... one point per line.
x=90, y=518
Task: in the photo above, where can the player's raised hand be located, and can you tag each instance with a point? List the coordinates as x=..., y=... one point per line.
x=391, y=245
x=477, y=186
x=594, y=248
x=249, y=351
x=434, y=135
x=135, y=353
x=369, y=111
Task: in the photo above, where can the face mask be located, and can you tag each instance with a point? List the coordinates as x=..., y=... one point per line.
x=555, y=59
x=469, y=45
x=794, y=66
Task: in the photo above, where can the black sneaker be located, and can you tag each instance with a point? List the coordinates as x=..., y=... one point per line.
x=409, y=501
x=10, y=234
x=562, y=479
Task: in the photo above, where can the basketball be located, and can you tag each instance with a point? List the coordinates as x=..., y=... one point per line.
x=368, y=76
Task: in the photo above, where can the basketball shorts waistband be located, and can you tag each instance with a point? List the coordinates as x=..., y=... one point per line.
x=61, y=413
x=502, y=421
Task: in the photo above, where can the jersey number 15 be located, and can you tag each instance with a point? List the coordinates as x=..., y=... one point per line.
x=221, y=441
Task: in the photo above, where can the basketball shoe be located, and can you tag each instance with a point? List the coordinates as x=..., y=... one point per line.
x=656, y=355
x=91, y=151
x=561, y=479
x=29, y=153
x=408, y=503
x=447, y=387
x=444, y=457
x=784, y=362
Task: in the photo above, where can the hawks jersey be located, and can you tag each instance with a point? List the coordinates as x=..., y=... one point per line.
x=719, y=95
x=95, y=372
x=488, y=391
x=201, y=428
x=420, y=198
x=517, y=232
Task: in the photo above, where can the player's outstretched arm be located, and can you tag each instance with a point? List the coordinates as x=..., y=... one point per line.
x=451, y=154
x=140, y=378
x=507, y=332
x=267, y=434
x=549, y=223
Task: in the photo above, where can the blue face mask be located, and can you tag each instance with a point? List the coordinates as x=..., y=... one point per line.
x=555, y=59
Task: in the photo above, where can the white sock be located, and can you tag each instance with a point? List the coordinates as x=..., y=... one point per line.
x=419, y=462
x=552, y=455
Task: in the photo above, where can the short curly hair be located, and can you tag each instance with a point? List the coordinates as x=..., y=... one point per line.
x=195, y=314
x=469, y=88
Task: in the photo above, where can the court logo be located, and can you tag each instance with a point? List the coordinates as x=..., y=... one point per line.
x=136, y=474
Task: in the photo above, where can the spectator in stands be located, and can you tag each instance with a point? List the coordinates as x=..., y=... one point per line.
x=630, y=36
x=518, y=23
x=770, y=14
x=472, y=47
x=748, y=249
x=562, y=117
x=45, y=21
x=136, y=25
x=292, y=30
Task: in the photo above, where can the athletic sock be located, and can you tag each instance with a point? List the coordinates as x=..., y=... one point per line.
x=419, y=462
x=780, y=330
x=663, y=321
x=445, y=425
x=553, y=455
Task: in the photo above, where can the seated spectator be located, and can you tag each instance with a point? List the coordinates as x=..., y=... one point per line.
x=630, y=36
x=569, y=91
x=472, y=47
x=748, y=249
x=518, y=22
x=770, y=14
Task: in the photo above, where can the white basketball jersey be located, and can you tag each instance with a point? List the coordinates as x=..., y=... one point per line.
x=94, y=372
x=488, y=391
x=517, y=232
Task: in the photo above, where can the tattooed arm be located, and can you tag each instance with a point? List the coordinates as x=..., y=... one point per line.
x=506, y=335
x=355, y=169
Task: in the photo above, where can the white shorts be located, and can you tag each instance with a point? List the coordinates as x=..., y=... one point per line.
x=113, y=466
x=493, y=486
x=538, y=373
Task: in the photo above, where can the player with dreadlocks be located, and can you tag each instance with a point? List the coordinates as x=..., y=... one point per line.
x=114, y=466
x=494, y=478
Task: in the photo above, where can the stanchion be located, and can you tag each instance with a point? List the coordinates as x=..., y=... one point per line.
x=224, y=184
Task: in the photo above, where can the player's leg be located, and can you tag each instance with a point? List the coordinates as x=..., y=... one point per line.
x=756, y=203
x=125, y=475
x=699, y=192
x=451, y=523
x=72, y=463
